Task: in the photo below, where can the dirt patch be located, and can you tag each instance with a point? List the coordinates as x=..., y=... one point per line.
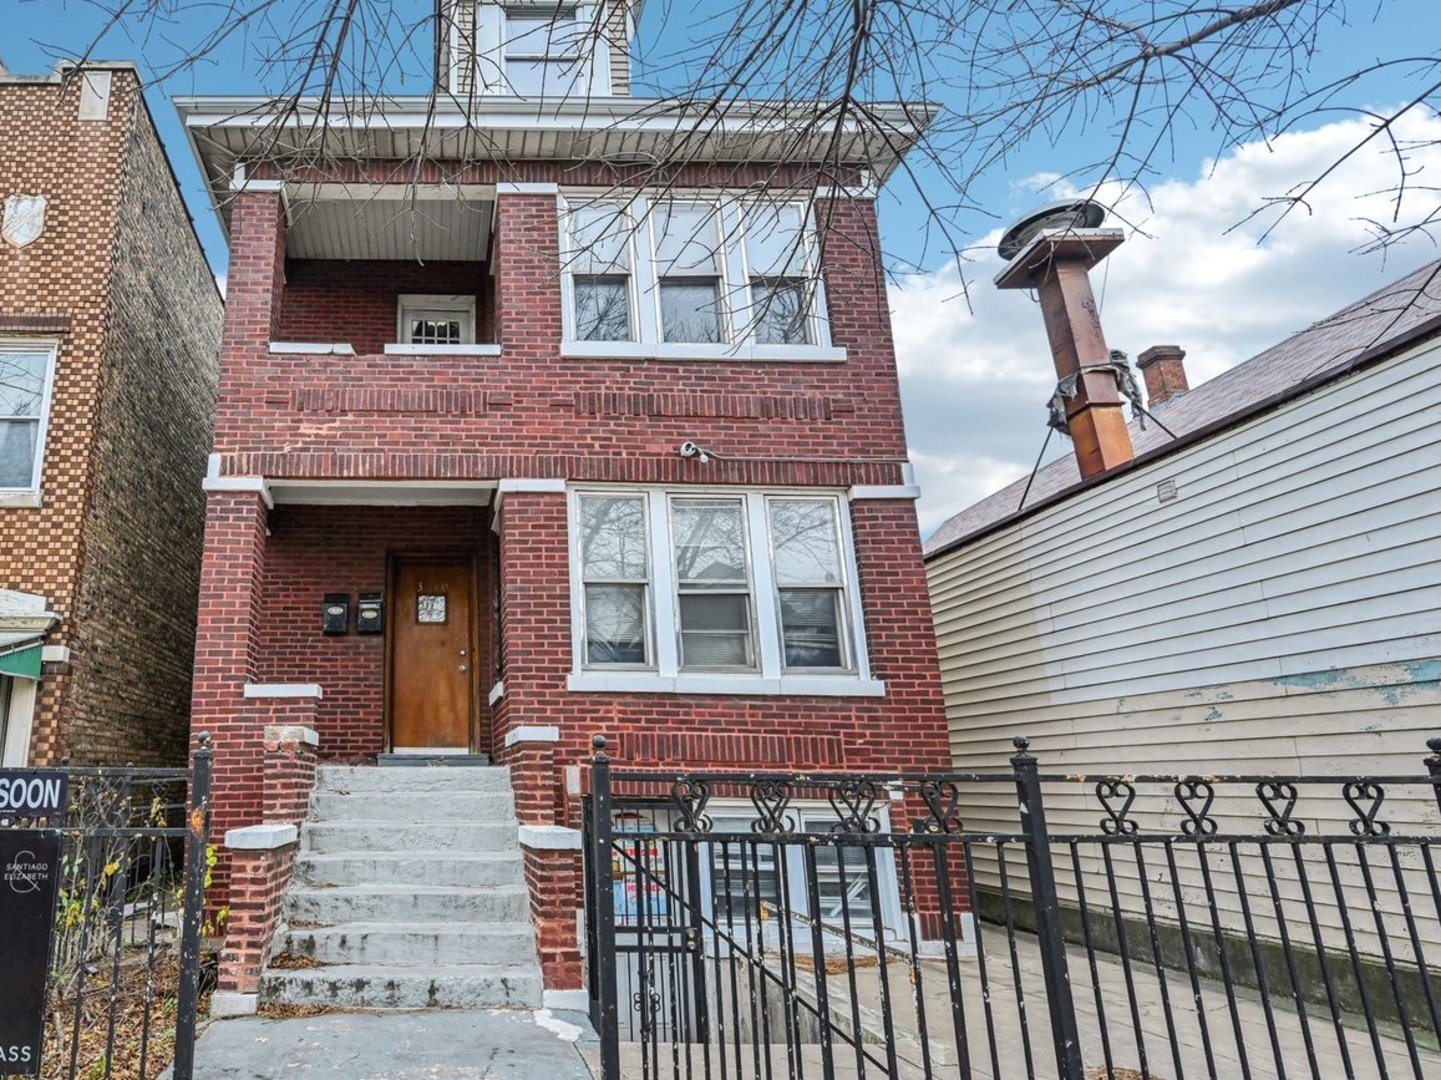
x=292, y=962
x=138, y=1008
x=277, y=1011
x=1098, y=1072
x=836, y=965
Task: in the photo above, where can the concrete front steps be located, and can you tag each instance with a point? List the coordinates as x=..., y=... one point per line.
x=409, y=892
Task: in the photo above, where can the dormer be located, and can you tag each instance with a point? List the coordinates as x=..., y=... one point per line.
x=532, y=49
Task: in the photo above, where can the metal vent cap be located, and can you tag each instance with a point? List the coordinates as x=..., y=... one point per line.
x=1064, y=214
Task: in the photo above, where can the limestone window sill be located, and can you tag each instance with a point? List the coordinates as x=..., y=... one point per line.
x=312, y=348
x=670, y=351
x=644, y=682
x=483, y=349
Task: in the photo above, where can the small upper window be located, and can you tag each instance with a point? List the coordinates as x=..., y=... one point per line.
x=437, y=320
x=542, y=52
x=26, y=369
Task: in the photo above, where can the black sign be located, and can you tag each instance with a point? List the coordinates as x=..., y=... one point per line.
x=29, y=881
x=32, y=793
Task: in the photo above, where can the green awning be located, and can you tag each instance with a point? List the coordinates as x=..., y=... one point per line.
x=21, y=660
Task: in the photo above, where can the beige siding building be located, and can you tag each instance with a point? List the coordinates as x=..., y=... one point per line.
x=1260, y=593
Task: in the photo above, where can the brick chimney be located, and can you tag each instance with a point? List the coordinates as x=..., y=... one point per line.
x=1164, y=369
x=1053, y=251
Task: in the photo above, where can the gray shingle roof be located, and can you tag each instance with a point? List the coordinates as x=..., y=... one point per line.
x=1388, y=316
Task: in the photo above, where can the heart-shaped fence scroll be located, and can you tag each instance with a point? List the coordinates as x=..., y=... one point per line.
x=942, y=799
x=1196, y=798
x=690, y=798
x=1366, y=823
x=772, y=800
x=1111, y=792
x=1279, y=799
x=854, y=802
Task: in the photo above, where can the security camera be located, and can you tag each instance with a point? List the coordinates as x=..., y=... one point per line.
x=690, y=449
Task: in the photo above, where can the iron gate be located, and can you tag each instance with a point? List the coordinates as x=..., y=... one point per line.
x=124, y=971
x=1087, y=927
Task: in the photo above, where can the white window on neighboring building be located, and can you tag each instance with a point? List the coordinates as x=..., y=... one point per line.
x=716, y=591
x=692, y=278
x=436, y=320
x=27, y=370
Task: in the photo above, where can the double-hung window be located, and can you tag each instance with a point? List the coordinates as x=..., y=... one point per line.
x=534, y=50
x=713, y=588
x=688, y=278
x=615, y=557
x=600, y=273
x=26, y=373
x=779, y=278
x=693, y=278
x=716, y=592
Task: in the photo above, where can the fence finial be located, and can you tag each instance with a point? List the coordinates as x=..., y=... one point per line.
x=1021, y=743
x=1434, y=745
x=598, y=743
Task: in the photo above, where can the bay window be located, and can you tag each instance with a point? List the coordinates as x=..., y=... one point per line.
x=692, y=278
x=716, y=592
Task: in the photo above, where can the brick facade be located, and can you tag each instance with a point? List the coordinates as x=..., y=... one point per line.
x=533, y=414
x=118, y=280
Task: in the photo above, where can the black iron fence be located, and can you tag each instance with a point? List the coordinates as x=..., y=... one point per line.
x=124, y=973
x=759, y=925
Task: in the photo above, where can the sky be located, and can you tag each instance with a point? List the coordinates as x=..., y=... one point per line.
x=974, y=365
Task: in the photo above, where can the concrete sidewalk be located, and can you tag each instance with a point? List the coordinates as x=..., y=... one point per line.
x=493, y=1044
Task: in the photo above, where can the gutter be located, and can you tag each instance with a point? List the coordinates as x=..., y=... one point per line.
x=1362, y=360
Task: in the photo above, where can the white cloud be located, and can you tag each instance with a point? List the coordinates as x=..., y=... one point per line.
x=975, y=380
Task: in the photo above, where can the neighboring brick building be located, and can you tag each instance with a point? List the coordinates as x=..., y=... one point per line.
x=602, y=472
x=109, y=334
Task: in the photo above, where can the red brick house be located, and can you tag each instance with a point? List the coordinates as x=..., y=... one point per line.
x=537, y=448
x=109, y=337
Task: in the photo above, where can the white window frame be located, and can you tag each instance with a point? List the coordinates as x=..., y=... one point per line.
x=18, y=716
x=737, y=331
x=800, y=812
x=409, y=304
x=490, y=57
x=663, y=673
x=893, y=918
x=27, y=496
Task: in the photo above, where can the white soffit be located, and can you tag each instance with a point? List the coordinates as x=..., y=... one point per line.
x=388, y=222
x=381, y=493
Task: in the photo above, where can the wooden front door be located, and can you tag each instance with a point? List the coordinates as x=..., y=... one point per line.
x=433, y=666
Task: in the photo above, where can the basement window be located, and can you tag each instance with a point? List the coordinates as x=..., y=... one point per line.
x=436, y=320
x=754, y=881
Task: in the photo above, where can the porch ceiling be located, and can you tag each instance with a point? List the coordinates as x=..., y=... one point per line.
x=388, y=221
x=381, y=493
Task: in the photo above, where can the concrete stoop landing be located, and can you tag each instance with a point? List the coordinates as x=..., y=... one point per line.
x=409, y=892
